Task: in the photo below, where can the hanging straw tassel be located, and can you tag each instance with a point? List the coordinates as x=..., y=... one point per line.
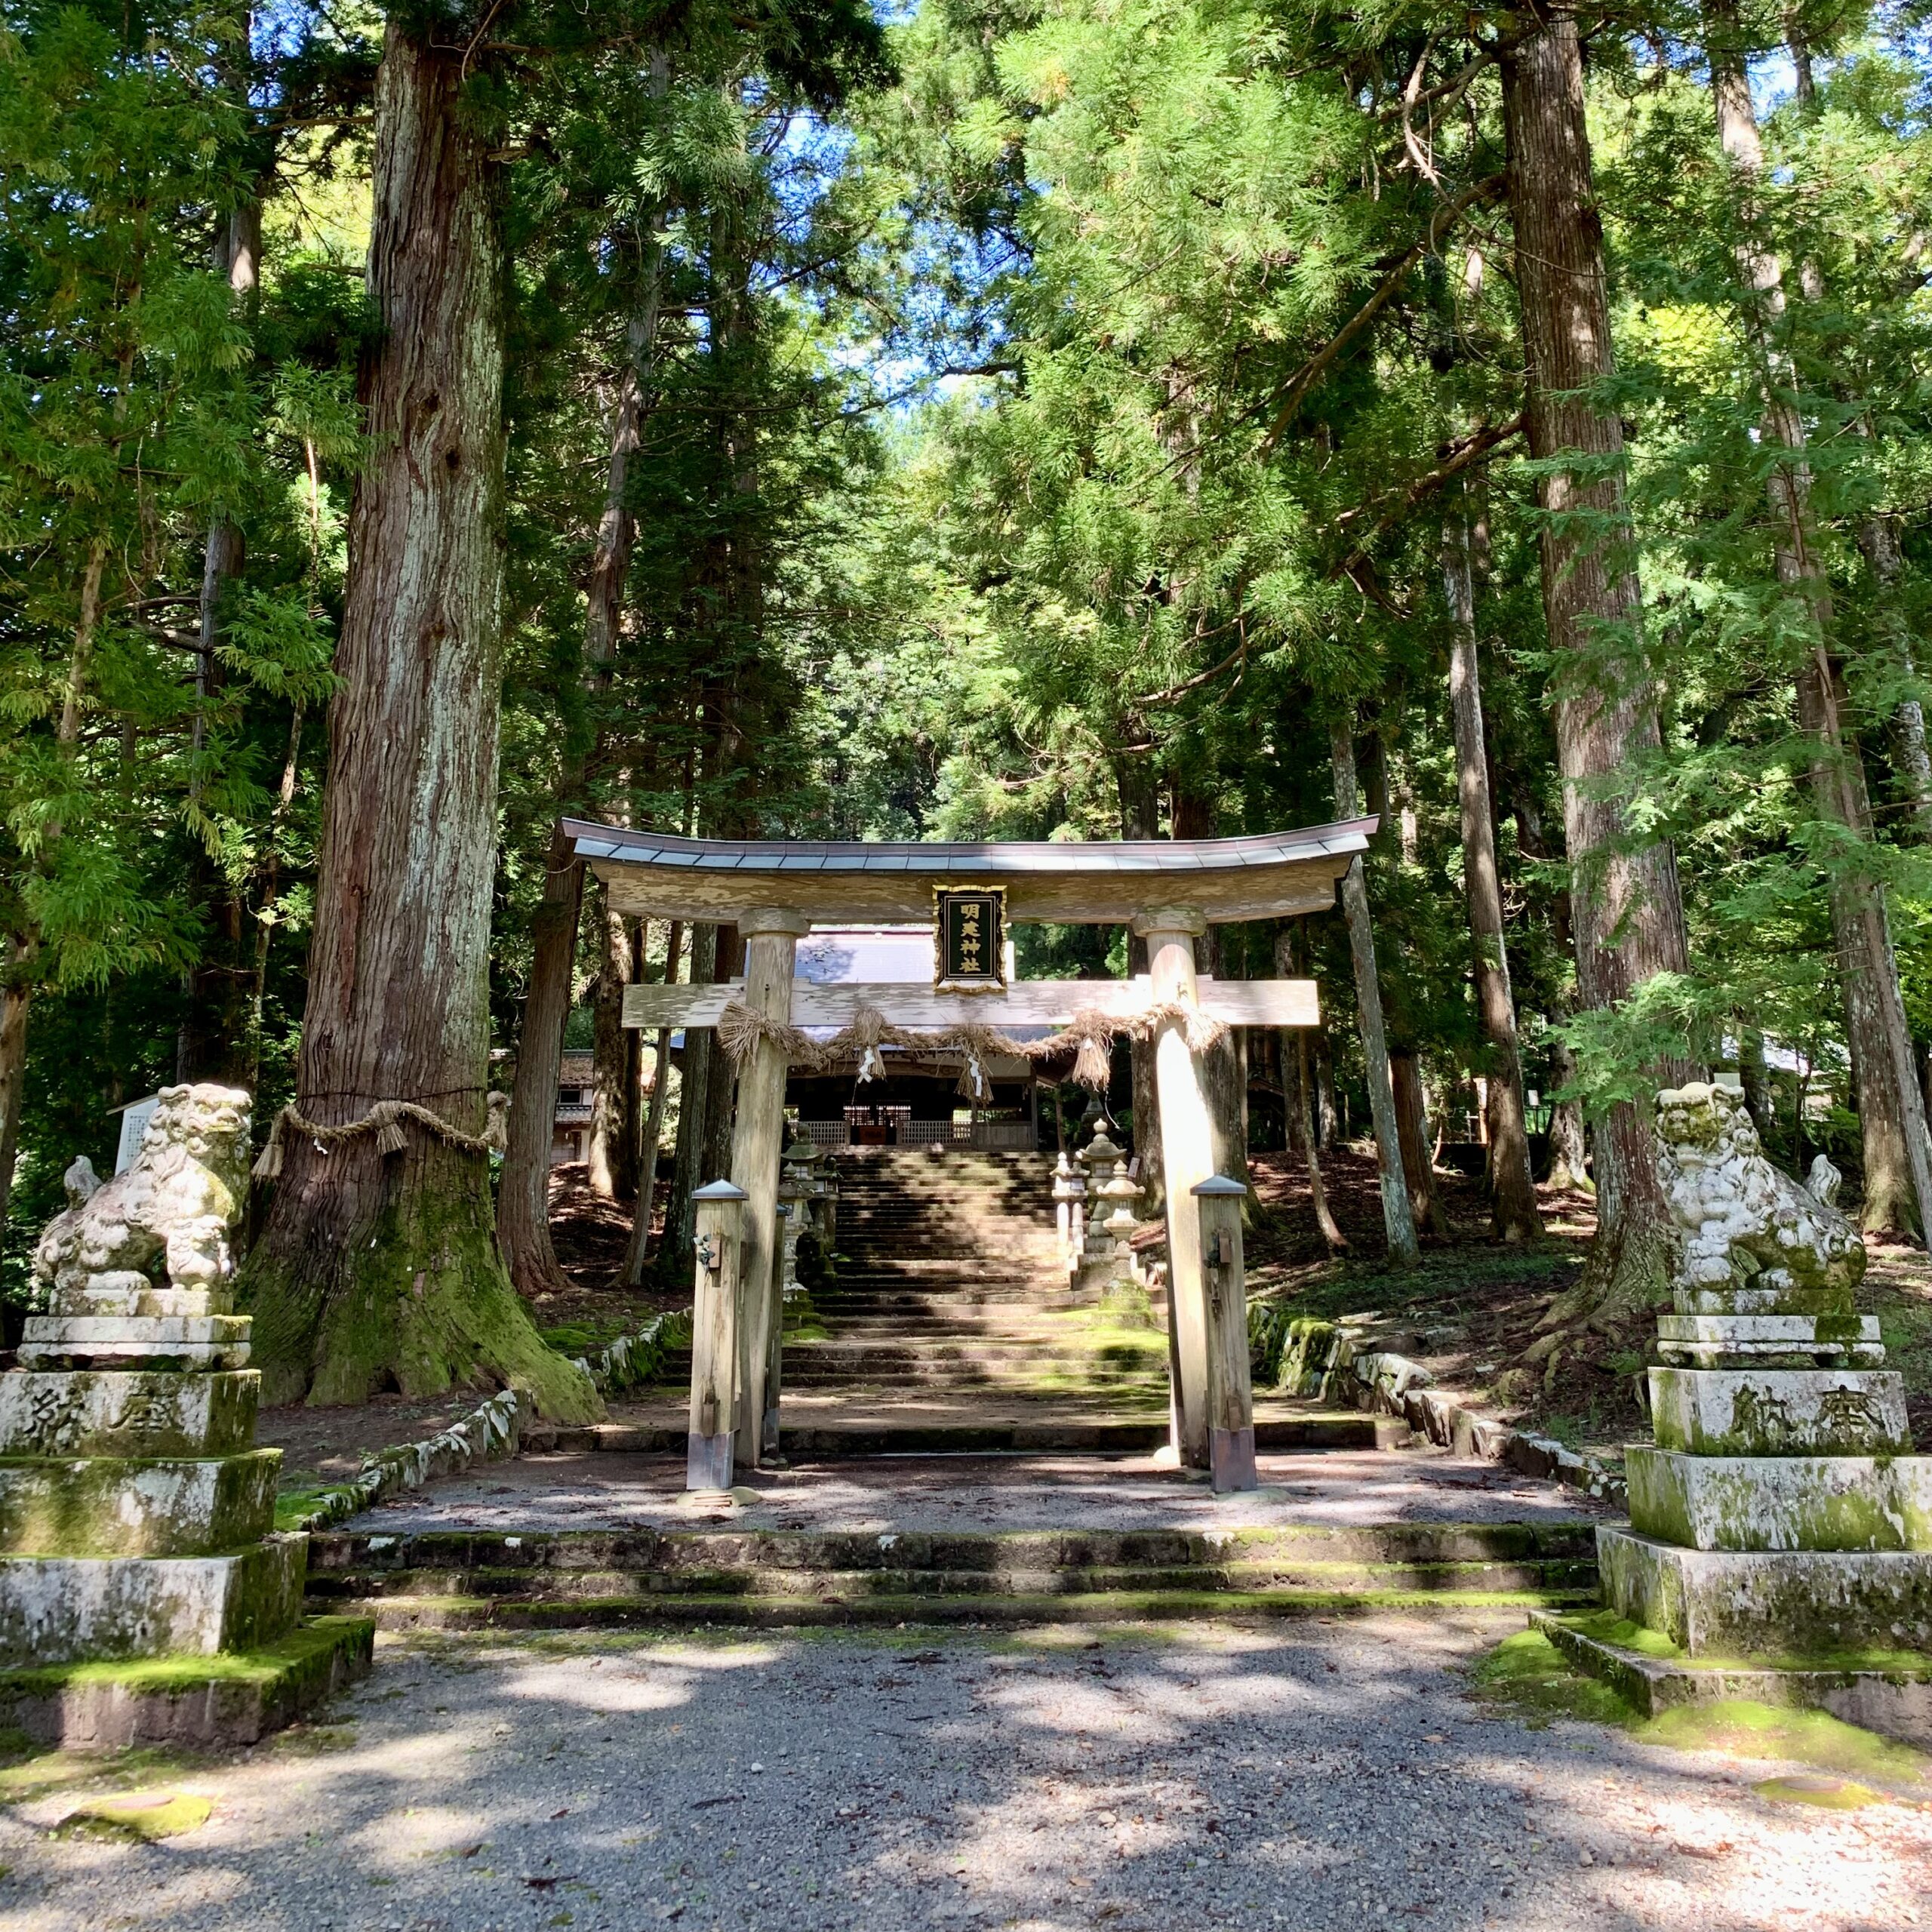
x=268, y=1163
x=1093, y=1065
x=390, y=1139
x=496, y=1127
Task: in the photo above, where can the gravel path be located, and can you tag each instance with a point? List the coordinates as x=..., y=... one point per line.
x=589, y=1492
x=1315, y=1777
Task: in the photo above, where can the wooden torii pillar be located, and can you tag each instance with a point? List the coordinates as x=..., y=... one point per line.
x=772, y=938
x=1187, y=1159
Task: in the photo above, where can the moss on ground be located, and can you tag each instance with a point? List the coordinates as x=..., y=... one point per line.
x=1739, y=1728
x=32, y=1770
x=302, y=1647
x=140, y=1818
x=294, y=1506
x=1528, y=1676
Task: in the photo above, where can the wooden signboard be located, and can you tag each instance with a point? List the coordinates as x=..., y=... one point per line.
x=969, y=940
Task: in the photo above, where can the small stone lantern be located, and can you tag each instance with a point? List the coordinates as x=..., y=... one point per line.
x=1069, y=1210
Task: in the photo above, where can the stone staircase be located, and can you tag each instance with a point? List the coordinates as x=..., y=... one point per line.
x=948, y=1327
x=466, y=1580
x=948, y=1281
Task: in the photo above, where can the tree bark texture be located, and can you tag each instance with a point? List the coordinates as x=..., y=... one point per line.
x=1140, y=818
x=523, y=1195
x=1412, y=1134
x=16, y=961
x=1398, y=1216
x=218, y=1038
x=1298, y=1115
x=523, y=1233
x=637, y=1252
x=1897, y=1155
x=377, y=1270
x=1626, y=909
x=614, y=1091
x=1513, y=1189
x=693, y=1085
x=720, y=1088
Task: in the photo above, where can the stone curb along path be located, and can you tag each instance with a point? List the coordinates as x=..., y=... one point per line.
x=489, y=1434
x=1311, y=1356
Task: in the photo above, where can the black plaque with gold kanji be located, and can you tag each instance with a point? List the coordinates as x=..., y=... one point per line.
x=969, y=941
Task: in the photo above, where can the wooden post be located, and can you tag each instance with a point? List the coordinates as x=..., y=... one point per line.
x=758, y=1138
x=717, y=1235
x=1230, y=1386
x=1186, y=1158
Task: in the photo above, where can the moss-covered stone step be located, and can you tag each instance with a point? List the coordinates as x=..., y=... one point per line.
x=1566, y=1581
x=757, y=1612
x=1317, y=1428
x=991, y=1551
x=1889, y=1691
x=106, y=1506
x=553, y=1577
x=236, y=1698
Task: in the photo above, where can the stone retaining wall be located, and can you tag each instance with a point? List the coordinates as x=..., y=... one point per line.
x=1306, y=1355
x=490, y=1433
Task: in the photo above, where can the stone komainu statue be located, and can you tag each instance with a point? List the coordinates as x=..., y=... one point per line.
x=1743, y=1222
x=176, y=1206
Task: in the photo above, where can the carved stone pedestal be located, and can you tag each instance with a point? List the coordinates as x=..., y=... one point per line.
x=137, y=1517
x=1779, y=1519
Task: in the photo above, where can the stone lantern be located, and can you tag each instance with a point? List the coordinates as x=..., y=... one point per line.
x=1069, y=1210
x=1123, y=1192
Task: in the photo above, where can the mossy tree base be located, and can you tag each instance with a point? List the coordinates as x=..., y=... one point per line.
x=391, y=1279
x=236, y=1698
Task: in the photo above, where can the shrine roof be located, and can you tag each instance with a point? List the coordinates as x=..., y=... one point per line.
x=1264, y=875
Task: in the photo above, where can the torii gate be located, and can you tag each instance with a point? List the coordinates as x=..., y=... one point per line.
x=1169, y=891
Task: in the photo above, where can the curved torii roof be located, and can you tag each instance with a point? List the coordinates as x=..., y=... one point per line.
x=658, y=874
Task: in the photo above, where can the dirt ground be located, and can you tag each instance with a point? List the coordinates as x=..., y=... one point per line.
x=1309, y=1777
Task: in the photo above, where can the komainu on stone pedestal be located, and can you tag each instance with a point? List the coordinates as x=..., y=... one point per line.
x=136, y=1514
x=1780, y=1510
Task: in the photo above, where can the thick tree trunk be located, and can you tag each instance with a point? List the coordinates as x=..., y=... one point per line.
x=1513, y=1194
x=1224, y=1078
x=380, y=1270
x=1139, y=820
x=1328, y=1115
x=637, y=1251
x=523, y=1197
x=1625, y=905
x=524, y=1230
x=614, y=1098
x=1912, y=760
x=17, y=963
x=1755, y=1079
x=1897, y=1155
x=1398, y=1216
x=217, y=1039
x=1412, y=1135
x=1292, y=1045
x=721, y=1078
x=693, y=1085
